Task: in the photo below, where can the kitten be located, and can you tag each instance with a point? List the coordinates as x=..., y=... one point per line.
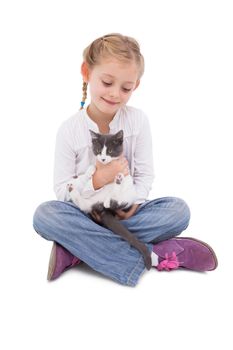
x=119, y=194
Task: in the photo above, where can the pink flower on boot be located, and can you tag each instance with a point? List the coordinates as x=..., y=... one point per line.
x=170, y=263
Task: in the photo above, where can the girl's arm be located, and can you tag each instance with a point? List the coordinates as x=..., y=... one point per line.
x=65, y=167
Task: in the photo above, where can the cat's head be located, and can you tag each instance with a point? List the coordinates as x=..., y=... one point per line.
x=107, y=147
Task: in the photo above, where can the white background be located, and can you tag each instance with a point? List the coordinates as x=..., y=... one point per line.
x=186, y=92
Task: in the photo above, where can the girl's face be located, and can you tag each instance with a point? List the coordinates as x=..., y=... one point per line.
x=111, y=84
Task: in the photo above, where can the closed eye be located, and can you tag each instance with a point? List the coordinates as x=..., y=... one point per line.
x=109, y=84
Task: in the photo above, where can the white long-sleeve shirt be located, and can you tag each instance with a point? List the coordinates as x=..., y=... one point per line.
x=73, y=151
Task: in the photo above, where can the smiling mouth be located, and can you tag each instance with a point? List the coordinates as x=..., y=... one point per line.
x=110, y=102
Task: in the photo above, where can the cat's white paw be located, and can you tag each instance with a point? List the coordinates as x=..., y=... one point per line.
x=119, y=178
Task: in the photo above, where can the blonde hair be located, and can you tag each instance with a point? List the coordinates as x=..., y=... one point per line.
x=123, y=48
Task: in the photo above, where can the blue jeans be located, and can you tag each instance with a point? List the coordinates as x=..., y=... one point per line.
x=104, y=251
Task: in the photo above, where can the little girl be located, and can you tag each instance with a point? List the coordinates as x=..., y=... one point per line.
x=112, y=68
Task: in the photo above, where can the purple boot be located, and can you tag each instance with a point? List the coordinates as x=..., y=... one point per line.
x=189, y=253
x=60, y=260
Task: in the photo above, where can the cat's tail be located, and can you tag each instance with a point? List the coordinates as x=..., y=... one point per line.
x=111, y=222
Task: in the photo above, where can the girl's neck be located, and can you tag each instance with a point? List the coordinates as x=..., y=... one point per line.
x=97, y=116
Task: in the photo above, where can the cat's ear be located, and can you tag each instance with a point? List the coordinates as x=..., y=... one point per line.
x=119, y=135
x=94, y=135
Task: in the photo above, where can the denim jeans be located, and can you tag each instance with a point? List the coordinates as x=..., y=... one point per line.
x=104, y=251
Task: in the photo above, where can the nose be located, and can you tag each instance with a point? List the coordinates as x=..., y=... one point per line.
x=114, y=92
x=103, y=159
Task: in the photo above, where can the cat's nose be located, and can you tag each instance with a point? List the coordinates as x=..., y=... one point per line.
x=103, y=160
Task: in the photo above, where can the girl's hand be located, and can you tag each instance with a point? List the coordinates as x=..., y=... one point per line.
x=122, y=215
x=110, y=170
x=119, y=165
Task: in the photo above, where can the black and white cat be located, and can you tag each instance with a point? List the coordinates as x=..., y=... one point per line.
x=119, y=194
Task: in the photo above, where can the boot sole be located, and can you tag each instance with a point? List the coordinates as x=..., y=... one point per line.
x=206, y=245
x=52, y=262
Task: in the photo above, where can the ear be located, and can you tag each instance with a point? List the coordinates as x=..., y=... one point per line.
x=119, y=135
x=94, y=135
x=85, y=72
x=137, y=83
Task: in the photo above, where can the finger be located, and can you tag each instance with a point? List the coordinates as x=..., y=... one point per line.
x=94, y=215
x=123, y=159
x=98, y=218
x=120, y=217
x=120, y=212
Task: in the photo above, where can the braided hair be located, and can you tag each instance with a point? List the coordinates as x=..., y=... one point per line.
x=84, y=94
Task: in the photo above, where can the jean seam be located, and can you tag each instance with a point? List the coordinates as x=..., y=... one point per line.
x=136, y=270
